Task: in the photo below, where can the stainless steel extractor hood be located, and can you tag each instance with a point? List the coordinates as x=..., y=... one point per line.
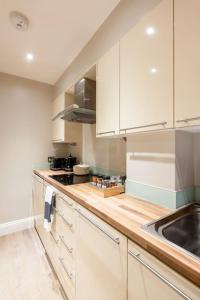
x=84, y=108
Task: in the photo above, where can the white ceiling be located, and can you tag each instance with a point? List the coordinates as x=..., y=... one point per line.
x=57, y=32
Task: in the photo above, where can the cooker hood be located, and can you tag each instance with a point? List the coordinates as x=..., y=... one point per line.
x=84, y=108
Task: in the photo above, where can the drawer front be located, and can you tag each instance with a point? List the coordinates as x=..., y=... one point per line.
x=67, y=253
x=67, y=206
x=67, y=237
x=53, y=248
x=66, y=274
x=56, y=226
x=59, y=203
x=68, y=247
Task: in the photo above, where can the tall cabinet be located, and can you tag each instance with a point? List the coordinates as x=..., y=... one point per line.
x=108, y=93
x=187, y=62
x=146, y=72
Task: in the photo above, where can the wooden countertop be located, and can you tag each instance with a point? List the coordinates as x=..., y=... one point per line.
x=127, y=214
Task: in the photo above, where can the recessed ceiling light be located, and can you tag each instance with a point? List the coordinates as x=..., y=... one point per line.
x=29, y=57
x=154, y=70
x=150, y=31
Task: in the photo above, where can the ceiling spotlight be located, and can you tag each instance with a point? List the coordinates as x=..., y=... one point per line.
x=19, y=21
x=154, y=70
x=29, y=57
x=150, y=31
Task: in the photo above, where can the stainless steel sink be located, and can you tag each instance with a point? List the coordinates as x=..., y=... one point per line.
x=181, y=228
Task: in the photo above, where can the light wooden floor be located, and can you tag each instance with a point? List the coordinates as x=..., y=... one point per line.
x=25, y=273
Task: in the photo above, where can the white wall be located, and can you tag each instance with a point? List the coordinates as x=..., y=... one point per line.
x=151, y=159
x=25, y=133
x=184, y=160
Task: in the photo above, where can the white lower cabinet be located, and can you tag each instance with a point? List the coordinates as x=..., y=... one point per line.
x=94, y=261
x=101, y=260
x=150, y=279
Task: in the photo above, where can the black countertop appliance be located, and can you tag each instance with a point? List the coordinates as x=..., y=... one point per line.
x=62, y=163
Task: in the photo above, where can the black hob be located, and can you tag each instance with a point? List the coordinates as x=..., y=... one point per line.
x=69, y=179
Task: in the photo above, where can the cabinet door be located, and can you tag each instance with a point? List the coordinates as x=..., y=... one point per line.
x=146, y=72
x=108, y=93
x=38, y=203
x=136, y=290
x=149, y=279
x=58, y=130
x=63, y=131
x=59, y=104
x=187, y=62
x=101, y=265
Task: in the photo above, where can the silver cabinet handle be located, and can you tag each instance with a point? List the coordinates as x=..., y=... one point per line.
x=69, y=274
x=157, y=274
x=144, y=126
x=69, y=204
x=66, y=222
x=115, y=239
x=107, y=132
x=188, y=119
x=54, y=237
x=69, y=249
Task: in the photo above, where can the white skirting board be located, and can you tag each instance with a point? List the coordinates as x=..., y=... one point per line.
x=14, y=226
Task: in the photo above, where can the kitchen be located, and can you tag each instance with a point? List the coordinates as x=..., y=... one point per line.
x=100, y=129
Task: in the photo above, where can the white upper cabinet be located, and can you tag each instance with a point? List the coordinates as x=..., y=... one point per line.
x=60, y=103
x=108, y=93
x=187, y=62
x=146, y=72
x=63, y=131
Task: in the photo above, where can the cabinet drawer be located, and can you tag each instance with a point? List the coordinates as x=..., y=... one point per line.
x=66, y=205
x=68, y=237
x=56, y=226
x=68, y=245
x=53, y=248
x=59, y=205
x=66, y=275
x=67, y=253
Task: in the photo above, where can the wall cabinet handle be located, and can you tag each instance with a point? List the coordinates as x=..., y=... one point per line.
x=66, y=222
x=69, y=274
x=115, y=239
x=157, y=274
x=69, y=249
x=144, y=126
x=188, y=119
x=106, y=132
